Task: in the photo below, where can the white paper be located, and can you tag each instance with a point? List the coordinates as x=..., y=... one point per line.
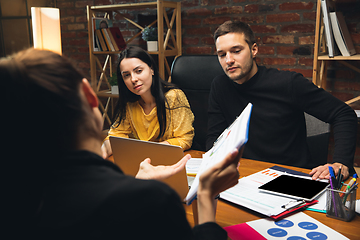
x=193, y=166
x=246, y=193
x=297, y=226
x=327, y=25
x=339, y=39
x=319, y=206
x=233, y=137
x=357, y=113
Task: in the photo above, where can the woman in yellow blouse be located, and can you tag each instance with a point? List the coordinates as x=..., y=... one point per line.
x=149, y=108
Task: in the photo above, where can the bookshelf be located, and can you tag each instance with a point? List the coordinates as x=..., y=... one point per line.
x=321, y=58
x=169, y=43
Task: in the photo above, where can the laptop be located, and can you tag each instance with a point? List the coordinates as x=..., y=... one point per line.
x=129, y=153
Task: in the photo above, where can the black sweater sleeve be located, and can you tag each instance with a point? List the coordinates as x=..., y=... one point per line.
x=322, y=105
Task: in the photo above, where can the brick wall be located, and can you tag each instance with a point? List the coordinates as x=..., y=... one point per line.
x=284, y=31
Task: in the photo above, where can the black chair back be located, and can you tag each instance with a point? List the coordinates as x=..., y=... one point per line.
x=194, y=75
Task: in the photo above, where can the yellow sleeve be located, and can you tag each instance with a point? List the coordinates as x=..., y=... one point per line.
x=122, y=130
x=181, y=119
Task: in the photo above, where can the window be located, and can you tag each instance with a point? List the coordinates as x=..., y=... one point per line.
x=15, y=24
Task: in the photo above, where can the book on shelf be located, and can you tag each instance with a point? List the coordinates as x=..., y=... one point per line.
x=107, y=39
x=98, y=23
x=326, y=8
x=112, y=39
x=341, y=34
x=101, y=39
x=97, y=46
x=118, y=37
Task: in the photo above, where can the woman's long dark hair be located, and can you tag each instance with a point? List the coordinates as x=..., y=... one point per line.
x=158, y=89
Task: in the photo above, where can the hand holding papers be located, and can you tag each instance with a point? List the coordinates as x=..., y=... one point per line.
x=233, y=137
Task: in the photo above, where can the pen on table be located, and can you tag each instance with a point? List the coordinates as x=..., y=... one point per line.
x=355, y=176
x=338, y=175
x=332, y=178
x=340, y=182
x=348, y=191
x=293, y=204
x=332, y=187
x=338, y=178
x=352, y=187
x=351, y=183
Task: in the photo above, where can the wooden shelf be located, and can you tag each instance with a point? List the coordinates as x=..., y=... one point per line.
x=321, y=59
x=134, y=6
x=107, y=93
x=339, y=58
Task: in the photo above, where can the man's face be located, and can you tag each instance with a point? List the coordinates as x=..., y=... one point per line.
x=235, y=57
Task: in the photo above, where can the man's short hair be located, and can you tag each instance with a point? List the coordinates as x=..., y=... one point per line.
x=236, y=27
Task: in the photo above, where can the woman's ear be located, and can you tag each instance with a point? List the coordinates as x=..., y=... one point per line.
x=89, y=93
x=93, y=102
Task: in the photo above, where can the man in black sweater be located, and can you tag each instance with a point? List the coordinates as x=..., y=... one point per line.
x=277, y=131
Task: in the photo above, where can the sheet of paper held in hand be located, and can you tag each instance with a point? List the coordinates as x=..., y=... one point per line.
x=235, y=136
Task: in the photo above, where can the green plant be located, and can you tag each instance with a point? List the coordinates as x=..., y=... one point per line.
x=113, y=79
x=149, y=34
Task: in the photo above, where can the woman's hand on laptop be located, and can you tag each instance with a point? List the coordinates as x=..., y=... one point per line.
x=106, y=149
x=148, y=171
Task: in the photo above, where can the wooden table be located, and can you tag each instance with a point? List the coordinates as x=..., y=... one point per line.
x=229, y=214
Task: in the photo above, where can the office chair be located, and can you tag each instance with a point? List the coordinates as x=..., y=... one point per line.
x=318, y=133
x=194, y=75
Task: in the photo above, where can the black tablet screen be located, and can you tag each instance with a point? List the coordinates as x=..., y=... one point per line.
x=295, y=187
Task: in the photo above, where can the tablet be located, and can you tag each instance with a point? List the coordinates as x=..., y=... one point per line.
x=295, y=187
